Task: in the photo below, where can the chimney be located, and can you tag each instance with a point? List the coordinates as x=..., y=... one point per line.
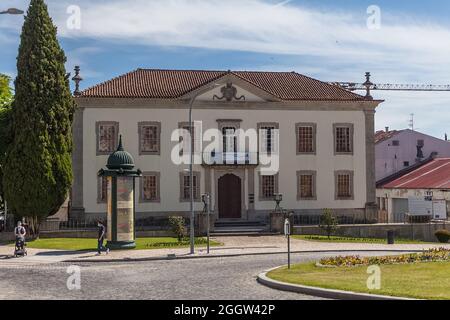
x=387, y=129
x=446, y=137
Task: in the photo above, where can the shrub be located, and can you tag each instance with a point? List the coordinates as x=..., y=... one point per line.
x=177, y=226
x=443, y=236
x=441, y=254
x=328, y=222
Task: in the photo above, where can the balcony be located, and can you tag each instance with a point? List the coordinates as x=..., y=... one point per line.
x=231, y=158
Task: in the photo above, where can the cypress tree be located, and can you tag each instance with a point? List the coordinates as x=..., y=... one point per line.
x=38, y=168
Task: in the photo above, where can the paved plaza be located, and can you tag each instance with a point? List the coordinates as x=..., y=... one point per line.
x=148, y=274
x=230, y=278
x=232, y=246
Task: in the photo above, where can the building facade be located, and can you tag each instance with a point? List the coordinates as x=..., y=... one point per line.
x=422, y=192
x=397, y=150
x=322, y=134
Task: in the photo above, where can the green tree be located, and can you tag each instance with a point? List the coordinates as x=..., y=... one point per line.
x=6, y=98
x=38, y=166
x=6, y=95
x=177, y=226
x=328, y=222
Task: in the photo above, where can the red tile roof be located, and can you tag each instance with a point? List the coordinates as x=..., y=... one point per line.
x=432, y=175
x=383, y=135
x=173, y=84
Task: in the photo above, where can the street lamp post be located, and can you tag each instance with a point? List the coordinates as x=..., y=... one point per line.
x=12, y=11
x=191, y=173
x=206, y=198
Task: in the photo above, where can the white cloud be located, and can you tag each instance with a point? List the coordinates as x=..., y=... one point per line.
x=431, y=111
x=338, y=44
x=403, y=50
x=260, y=26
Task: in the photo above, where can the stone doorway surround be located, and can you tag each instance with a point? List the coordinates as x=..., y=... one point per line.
x=230, y=205
x=217, y=173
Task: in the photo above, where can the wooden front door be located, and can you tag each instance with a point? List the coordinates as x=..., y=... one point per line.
x=230, y=197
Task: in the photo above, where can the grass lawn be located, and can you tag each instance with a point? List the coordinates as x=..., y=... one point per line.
x=72, y=244
x=356, y=240
x=428, y=280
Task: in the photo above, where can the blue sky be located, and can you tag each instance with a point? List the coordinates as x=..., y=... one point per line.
x=328, y=40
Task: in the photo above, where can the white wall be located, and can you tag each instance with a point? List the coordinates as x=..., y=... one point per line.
x=325, y=162
x=390, y=159
x=398, y=198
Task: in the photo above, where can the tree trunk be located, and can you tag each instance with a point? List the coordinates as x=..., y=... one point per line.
x=34, y=225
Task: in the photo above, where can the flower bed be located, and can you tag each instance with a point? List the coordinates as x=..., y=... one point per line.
x=432, y=255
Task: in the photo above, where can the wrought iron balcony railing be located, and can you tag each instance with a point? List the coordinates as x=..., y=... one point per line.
x=230, y=158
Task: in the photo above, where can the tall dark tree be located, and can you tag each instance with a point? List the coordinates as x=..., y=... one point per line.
x=38, y=168
x=6, y=98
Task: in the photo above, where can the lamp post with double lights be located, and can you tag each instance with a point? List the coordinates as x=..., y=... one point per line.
x=11, y=11
x=278, y=198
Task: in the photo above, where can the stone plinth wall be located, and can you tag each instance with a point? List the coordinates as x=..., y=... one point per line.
x=419, y=231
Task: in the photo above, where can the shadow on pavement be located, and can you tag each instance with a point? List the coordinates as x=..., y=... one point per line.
x=60, y=253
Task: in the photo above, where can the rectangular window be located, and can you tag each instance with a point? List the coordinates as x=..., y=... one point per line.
x=185, y=192
x=306, y=185
x=343, y=135
x=306, y=138
x=268, y=137
x=186, y=136
x=102, y=192
x=229, y=139
x=396, y=143
x=344, y=185
x=107, y=137
x=150, y=187
x=268, y=187
x=149, y=138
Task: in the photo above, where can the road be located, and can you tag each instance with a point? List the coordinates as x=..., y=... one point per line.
x=232, y=278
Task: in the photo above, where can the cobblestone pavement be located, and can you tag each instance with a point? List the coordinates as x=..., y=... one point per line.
x=231, y=278
x=231, y=246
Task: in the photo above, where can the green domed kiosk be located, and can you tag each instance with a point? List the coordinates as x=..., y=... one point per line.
x=121, y=177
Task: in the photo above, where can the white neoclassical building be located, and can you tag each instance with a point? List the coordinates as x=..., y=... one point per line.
x=323, y=135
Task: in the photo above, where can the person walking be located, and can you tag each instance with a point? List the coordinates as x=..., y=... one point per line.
x=101, y=238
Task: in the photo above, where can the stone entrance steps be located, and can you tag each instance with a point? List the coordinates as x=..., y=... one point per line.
x=240, y=228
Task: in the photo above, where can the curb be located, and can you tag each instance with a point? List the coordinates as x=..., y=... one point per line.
x=321, y=292
x=188, y=257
